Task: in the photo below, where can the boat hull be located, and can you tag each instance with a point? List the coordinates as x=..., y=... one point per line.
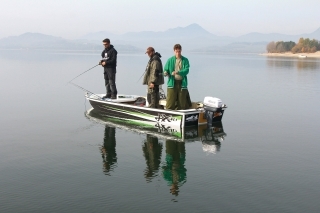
x=144, y=116
x=204, y=133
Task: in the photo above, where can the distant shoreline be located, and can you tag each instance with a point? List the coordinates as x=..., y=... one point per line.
x=290, y=54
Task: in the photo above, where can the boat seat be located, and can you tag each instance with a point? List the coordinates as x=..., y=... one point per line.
x=196, y=105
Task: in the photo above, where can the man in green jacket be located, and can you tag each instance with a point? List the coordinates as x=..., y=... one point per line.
x=177, y=69
x=153, y=77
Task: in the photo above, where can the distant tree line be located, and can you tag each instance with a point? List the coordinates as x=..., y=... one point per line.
x=303, y=46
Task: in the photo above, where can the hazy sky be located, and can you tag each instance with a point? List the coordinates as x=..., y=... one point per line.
x=75, y=18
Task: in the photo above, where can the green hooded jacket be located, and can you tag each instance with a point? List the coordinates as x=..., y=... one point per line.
x=169, y=68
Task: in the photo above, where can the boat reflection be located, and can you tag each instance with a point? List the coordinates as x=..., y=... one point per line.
x=172, y=168
x=207, y=134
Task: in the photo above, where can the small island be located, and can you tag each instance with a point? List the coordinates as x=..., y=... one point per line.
x=303, y=49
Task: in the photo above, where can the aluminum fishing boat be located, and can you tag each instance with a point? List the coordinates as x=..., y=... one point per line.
x=133, y=109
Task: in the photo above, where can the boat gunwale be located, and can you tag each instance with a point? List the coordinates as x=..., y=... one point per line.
x=192, y=111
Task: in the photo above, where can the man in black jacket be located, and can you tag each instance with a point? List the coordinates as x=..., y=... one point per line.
x=109, y=62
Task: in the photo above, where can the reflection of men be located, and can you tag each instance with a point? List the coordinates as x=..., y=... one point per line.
x=152, y=150
x=174, y=171
x=177, y=69
x=153, y=77
x=109, y=62
x=108, y=150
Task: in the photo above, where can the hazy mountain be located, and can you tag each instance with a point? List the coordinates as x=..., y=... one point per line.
x=192, y=38
x=41, y=41
x=258, y=37
x=315, y=34
x=191, y=31
x=98, y=36
x=195, y=38
x=27, y=40
x=237, y=47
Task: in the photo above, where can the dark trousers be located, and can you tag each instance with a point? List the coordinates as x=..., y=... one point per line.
x=153, y=97
x=110, y=81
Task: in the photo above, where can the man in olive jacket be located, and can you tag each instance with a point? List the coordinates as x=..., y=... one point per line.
x=177, y=69
x=153, y=77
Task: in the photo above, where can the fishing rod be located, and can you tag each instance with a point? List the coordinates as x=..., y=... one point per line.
x=83, y=89
x=83, y=72
x=141, y=76
x=103, y=59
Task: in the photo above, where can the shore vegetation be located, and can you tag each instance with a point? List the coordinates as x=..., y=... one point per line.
x=303, y=46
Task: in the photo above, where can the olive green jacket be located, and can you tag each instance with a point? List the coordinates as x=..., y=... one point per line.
x=153, y=73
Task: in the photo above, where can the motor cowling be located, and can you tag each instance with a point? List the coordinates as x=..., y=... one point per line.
x=212, y=107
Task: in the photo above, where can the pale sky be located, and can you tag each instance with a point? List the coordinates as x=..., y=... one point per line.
x=74, y=18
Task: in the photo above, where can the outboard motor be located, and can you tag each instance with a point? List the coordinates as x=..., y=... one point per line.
x=213, y=109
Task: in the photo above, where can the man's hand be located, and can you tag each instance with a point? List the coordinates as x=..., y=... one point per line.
x=174, y=72
x=103, y=63
x=165, y=73
x=151, y=85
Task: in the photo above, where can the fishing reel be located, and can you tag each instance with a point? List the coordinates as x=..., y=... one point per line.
x=102, y=60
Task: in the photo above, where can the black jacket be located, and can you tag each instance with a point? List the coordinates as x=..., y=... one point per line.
x=109, y=55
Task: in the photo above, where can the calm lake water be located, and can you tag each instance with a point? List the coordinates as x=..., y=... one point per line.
x=55, y=159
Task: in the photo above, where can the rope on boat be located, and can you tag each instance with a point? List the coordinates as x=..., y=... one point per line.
x=83, y=73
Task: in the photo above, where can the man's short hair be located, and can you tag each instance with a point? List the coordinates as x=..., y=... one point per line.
x=150, y=49
x=177, y=47
x=106, y=40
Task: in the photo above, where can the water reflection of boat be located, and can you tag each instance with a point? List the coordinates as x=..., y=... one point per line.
x=177, y=133
x=173, y=167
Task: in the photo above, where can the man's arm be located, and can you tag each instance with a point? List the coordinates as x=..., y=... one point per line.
x=166, y=70
x=185, y=68
x=113, y=58
x=101, y=62
x=154, y=68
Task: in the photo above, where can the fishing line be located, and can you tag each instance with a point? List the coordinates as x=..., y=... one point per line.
x=83, y=73
x=83, y=89
x=141, y=76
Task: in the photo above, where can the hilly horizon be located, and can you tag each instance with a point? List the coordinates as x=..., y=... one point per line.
x=192, y=37
x=194, y=29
